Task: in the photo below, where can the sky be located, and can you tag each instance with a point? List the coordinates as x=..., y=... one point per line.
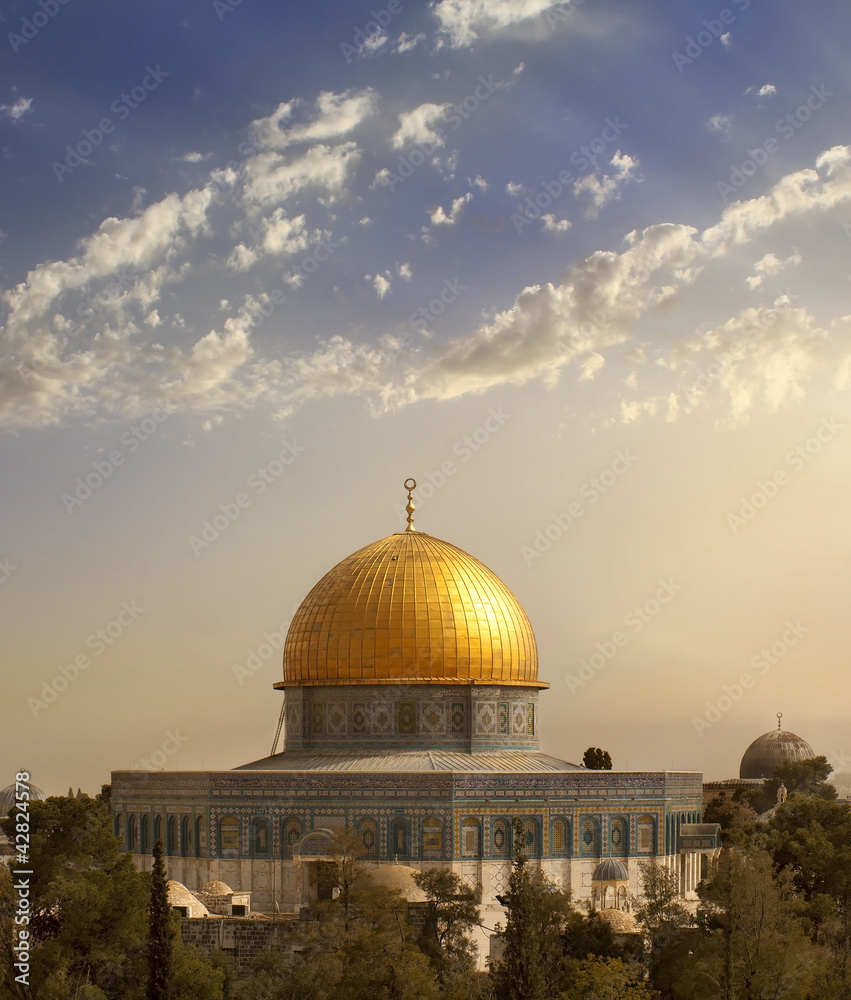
x=581, y=269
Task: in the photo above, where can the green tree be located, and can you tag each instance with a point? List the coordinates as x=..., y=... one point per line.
x=733, y=814
x=532, y=962
x=87, y=902
x=756, y=945
x=451, y=913
x=161, y=932
x=596, y=759
x=607, y=979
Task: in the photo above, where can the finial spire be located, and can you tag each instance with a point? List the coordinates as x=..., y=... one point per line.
x=410, y=486
x=779, y=717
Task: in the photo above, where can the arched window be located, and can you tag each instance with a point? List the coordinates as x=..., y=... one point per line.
x=229, y=836
x=531, y=838
x=144, y=835
x=131, y=833
x=292, y=832
x=501, y=839
x=118, y=826
x=186, y=837
x=646, y=835
x=158, y=830
x=368, y=830
x=560, y=838
x=471, y=838
x=199, y=835
x=618, y=838
x=432, y=837
x=589, y=838
x=399, y=838
x=261, y=837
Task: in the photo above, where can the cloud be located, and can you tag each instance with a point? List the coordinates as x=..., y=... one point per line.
x=551, y=226
x=195, y=157
x=16, y=111
x=603, y=299
x=765, y=91
x=463, y=22
x=723, y=124
x=270, y=178
x=334, y=116
x=605, y=188
x=438, y=217
x=417, y=127
x=768, y=265
x=407, y=43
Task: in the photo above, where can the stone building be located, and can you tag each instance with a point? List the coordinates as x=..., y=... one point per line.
x=411, y=690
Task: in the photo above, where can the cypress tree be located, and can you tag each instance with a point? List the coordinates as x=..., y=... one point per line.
x=160, y=940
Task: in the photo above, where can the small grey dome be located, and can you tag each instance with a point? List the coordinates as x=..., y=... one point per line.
x=610, y=871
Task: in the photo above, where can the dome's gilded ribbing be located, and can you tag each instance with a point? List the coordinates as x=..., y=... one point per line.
x=410, y=608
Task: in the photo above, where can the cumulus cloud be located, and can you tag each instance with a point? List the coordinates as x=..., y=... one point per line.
x=438, y=217
x=16, y=111
x=605, y=188
x=603, y=298
x=764, y=92
x=768, y=265
x=463, y=22
x=331, y=117
x=551, y=225
x=417, y=127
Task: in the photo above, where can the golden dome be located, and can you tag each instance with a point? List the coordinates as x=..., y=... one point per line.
x=410, y=609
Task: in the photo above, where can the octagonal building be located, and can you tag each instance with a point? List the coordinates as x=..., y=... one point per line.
x=411, y=689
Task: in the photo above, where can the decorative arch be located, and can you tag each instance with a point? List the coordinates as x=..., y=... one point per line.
x=132, y=833
x=199, y=835
x=261, y=837
x=619, y=837
x=589, y=837
x=531, y=837
x=501, y=838
x=646, y=841
x=400, y=839
x=290, y=834
x=144, y=835
x=229, y=837
x=471, y=838
x=368, y=833
x=158, y=830
x=560, y=837
x=118, y=827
